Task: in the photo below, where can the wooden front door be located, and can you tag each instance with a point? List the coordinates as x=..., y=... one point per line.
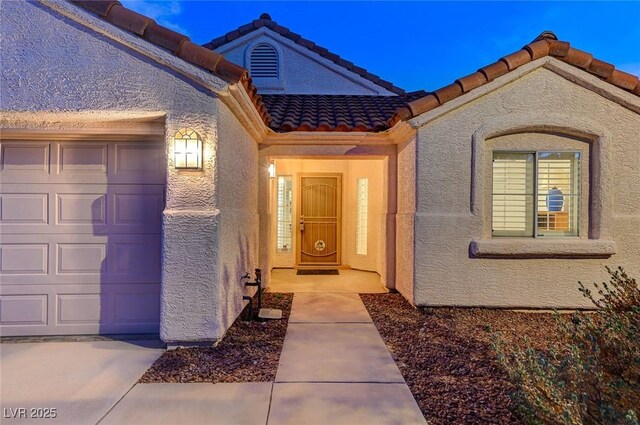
x=319, y=211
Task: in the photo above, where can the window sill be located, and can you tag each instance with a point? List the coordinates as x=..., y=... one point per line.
x=539, y=248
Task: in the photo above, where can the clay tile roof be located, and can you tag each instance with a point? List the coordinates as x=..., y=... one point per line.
x=266, y=21
x=178, y=44
x=546, y=44
x=297, y=112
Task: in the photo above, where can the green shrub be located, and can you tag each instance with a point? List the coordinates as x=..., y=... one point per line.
x=593, y=375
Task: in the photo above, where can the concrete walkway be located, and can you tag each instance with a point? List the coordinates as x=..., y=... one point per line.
x=334, y=370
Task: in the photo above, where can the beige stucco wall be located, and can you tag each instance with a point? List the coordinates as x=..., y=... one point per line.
x=452, y=220
x=373, y=170
x=237, y=184
x=61, y=75
x=405, y=218
x=351, y=170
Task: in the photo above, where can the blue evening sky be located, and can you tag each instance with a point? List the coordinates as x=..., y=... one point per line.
x=421, y=45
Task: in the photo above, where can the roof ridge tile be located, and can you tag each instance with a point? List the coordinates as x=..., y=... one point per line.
x=128, y=19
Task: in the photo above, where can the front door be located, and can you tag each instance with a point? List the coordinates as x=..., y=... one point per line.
x=319, y=212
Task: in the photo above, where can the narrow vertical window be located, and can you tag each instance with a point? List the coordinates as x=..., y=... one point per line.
x=284, y=214
x=362, y=215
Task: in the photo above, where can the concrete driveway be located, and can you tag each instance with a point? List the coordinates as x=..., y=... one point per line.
x=82, y=381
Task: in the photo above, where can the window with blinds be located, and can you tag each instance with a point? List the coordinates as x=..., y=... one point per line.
x=264, y=62
x=284, y=214
x=362, y=215
x=535, y=194
x=513, y=193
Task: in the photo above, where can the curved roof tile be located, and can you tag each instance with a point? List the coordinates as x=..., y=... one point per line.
x=266, y=21
x=546, y=44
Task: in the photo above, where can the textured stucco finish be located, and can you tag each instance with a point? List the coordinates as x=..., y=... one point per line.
x=237, y=181
x=301, y=70
x=405, y=218
x=57, y=73
x=452, y=206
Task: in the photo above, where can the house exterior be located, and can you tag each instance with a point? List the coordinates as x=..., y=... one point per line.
x=142, y=175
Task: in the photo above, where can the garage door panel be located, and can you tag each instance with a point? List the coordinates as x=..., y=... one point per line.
x=23, y=310
x=138, y=209
x=81, y=208
x=75, y=208
x=24, y=259
x=79, y=309
x=132, y=158
x=24, y=208
x=62, y=259
x=18, y=159
x=136, y=308
x=82, y=158
x=82, y=258
x=81, y=244
x=83, y=162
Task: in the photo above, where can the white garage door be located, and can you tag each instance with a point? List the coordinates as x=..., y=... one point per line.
x=80, y=225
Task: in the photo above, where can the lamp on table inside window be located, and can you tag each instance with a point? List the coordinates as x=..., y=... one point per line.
x=187, y=150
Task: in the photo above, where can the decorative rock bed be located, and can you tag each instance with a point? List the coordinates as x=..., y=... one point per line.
x=447, y=359
x=249, y=352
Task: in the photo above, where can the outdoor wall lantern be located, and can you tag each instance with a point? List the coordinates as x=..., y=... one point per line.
x=187, y=150
x=272, y=170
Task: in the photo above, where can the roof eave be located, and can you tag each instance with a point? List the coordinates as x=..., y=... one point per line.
x=591, y=82
x=544, y=46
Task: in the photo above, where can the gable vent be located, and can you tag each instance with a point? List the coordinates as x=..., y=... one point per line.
x=264, y=62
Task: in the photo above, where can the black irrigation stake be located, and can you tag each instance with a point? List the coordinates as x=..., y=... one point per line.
x=258, y=283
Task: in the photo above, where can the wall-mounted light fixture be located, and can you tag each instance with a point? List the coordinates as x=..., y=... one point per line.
x=272, y=170
x=187, y=150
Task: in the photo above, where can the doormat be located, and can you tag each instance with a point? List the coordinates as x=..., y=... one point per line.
x=314, y=272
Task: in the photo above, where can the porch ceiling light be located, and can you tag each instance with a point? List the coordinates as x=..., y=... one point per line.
x=187, y=150
x=272, y=170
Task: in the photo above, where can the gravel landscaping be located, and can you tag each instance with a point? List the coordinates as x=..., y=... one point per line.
x=249, y=352
x=446, y=355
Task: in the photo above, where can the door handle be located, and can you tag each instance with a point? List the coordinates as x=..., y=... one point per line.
x=302, y=224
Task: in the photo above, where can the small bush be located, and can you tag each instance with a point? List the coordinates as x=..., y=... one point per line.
x=593, y=376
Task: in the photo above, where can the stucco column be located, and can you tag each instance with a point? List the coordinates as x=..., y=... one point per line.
x=390, y=202
x=190, y=244
x=264, y=210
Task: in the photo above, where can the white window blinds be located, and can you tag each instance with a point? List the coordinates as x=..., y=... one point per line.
x=558, y=178
x=284, y=214
x=535, y=193
x=513, y=193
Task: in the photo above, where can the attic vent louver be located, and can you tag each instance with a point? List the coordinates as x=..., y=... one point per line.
x=264, y=62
